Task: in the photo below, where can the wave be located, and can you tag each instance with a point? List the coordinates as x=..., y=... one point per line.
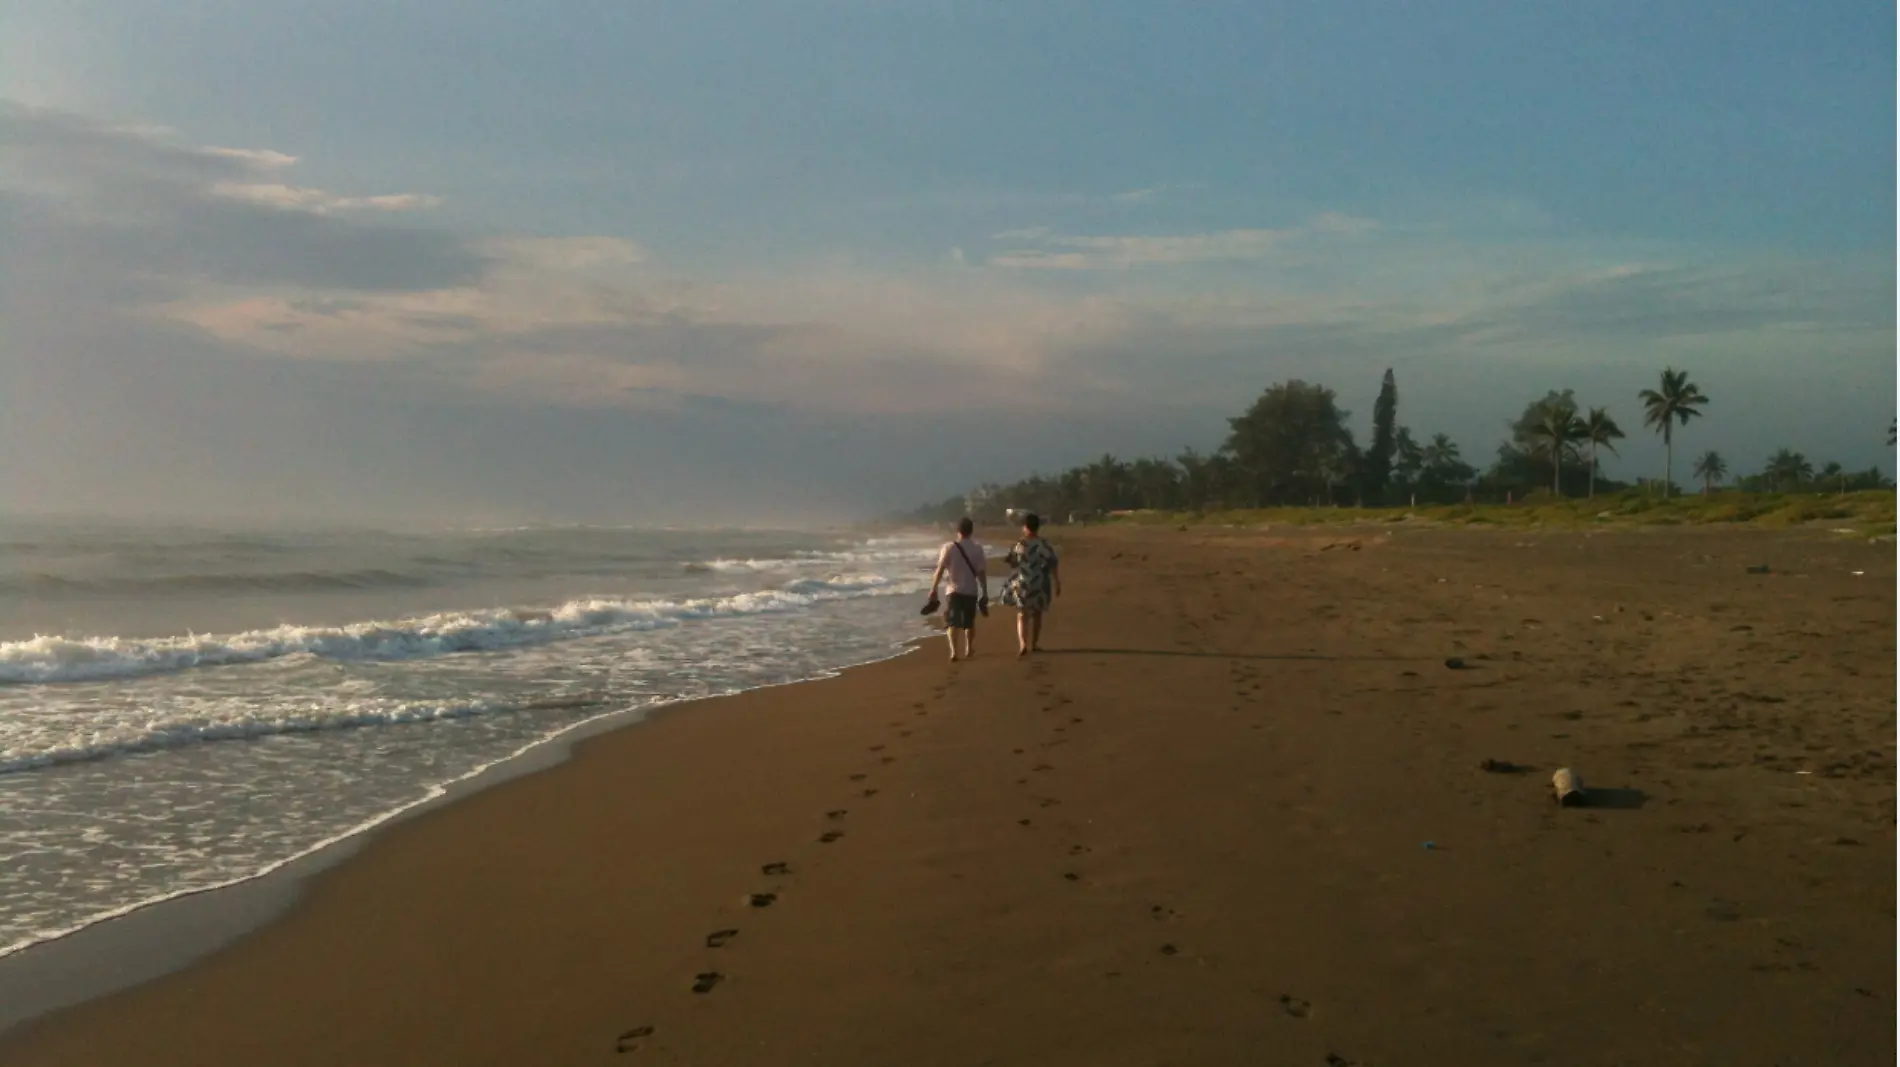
x=46, y=659
x=918, y=554
x=176, y=733
x=281, y=582
x=724, y=566
x=432, y=792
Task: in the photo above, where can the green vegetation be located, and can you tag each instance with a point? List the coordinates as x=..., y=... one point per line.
x=1676, y=402
x=1291, y=455
x=1599, y=431
x=1711, y=468
x=1867, y=513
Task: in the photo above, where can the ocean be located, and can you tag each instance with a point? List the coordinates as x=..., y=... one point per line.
x=186, y=708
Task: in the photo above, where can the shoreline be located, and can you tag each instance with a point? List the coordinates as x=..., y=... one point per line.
x=70, y=967
x=1190, y=832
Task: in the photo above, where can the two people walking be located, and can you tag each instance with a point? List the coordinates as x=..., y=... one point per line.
x=964, y=574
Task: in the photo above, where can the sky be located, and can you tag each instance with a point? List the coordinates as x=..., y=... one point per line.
x=797, y=260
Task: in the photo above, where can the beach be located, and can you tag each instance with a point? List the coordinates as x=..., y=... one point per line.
x=1237, y=813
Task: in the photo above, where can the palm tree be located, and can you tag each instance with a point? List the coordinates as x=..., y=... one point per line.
x=1833, y=472
x=1676, y=402
x=1443, y=467
x=1556, y=434
x=1786, y=468
x=1711, y=467
x=1407, y=458
x=1599, y=429
x=1441, y=452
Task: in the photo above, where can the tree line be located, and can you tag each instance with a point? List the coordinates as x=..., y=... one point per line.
x=1293, y=447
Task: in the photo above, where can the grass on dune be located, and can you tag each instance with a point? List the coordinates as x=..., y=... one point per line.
x=1868, y=513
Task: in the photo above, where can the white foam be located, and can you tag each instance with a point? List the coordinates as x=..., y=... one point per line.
x=432, y=794
x=43, y=658
x=916, y=554
x=220, y=724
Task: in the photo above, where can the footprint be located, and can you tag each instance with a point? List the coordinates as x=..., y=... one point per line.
x=1162, y=913
x=868, y=793
x=704, y=981
x=1079, y=850
x=762, y=900
x=1169, y=950
x=718, y=938
x=1294, y=1006
x=1022, y=822
x=887, y=759
x=829, y=836
x=1042, y=767
x=1334, y=1059
x=876, y=748
x=629, y=1041
x=837, y=813
x=779, y=867
x=1071, y=876
x=1047, y=802
x=859, y=777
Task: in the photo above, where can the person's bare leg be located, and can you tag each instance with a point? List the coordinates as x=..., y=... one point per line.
x=951, y=633
x=1035, y=632
x=1022, y=633
x=969, y=643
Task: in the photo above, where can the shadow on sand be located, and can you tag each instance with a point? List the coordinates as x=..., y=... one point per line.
x=1614, y=798
x=1228, y=655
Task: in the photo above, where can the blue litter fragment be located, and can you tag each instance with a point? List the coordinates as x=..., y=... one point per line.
x=1429, y=845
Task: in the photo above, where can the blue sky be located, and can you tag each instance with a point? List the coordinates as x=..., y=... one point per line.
x=748, y=259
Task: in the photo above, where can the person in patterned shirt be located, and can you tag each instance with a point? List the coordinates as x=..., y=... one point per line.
x=1034, y=586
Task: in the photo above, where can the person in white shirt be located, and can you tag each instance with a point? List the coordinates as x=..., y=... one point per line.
x=961, y=570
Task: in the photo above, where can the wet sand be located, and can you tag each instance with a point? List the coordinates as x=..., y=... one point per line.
x=1234, y=815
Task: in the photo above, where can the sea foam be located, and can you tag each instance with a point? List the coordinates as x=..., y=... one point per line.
x=47, y=659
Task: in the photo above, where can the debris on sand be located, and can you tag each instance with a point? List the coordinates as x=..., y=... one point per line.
x=1568, y=785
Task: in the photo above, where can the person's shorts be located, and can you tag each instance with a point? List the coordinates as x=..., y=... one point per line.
x=959, y=611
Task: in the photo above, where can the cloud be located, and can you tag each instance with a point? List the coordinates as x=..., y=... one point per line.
x=316, y=201
x=1153, y=192
x=1109, y=253
x=219, y=244
x=1061, y=252
x=1334, y=222
x=260, y=158
x=95, y=211
x=566, y=253
x=1636, y=303
x=1027, y=233
x=587, y=322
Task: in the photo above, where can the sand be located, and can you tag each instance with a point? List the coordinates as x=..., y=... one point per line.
x=1235, y=815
